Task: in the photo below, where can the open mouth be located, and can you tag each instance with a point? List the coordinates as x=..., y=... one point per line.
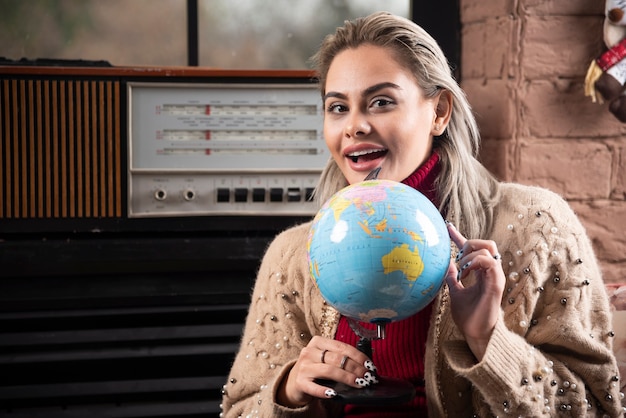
x=366, y=155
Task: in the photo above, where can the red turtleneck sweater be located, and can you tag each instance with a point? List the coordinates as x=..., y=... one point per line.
x=401, y=353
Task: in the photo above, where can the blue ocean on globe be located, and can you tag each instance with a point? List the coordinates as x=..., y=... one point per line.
x=378, y=251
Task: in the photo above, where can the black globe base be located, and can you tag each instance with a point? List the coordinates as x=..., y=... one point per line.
x=387, y=391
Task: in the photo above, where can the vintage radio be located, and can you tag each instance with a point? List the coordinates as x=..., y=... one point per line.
x=135, y=205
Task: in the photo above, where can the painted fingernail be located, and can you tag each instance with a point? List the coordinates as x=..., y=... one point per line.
x=369, y=365
x=330, y=393
x=450, y=224
x=370, y=377
x=458, y=275
x=459, y=255
x=362, y=382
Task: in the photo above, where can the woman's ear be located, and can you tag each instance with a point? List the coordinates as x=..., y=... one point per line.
x=443, y=112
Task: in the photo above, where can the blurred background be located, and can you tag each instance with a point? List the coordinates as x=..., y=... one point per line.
x=231, y=34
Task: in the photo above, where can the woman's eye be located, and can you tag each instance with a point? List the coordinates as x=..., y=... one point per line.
x=381, y=102
x=335, y=108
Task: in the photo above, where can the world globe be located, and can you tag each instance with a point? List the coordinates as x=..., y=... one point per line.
x=378, y=251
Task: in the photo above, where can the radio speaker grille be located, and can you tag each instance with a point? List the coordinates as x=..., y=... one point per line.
x=60, y=154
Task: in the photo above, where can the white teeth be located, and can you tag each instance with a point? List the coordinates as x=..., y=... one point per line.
x=364, y=152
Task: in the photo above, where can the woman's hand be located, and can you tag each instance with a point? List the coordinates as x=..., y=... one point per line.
x=326, y=359
x=476, y=308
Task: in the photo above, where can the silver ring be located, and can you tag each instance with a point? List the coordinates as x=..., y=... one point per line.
x=498, y=257
x=323, y=355
x=343, y=362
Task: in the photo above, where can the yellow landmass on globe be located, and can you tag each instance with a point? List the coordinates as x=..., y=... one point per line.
x=339, y=206
x=381, y=226
x=415, y=236
x=403, y=259
x=366, y=228
x=315, y=269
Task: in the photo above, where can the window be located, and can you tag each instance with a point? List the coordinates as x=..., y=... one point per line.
x=231, y=33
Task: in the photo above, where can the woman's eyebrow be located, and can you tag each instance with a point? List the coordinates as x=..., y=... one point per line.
x=370, y=90
x=373, y=89
x=335, y=94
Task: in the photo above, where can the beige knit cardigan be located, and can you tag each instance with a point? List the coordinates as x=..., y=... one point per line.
x=550, y=354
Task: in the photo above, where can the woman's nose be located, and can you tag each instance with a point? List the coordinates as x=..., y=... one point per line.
x=357, y=125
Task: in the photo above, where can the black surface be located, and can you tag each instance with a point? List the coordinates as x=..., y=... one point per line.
x=387, y=391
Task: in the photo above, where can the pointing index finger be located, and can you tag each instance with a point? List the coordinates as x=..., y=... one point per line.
x=455, y=235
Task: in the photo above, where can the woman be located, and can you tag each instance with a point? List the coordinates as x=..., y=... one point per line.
x=522, y=328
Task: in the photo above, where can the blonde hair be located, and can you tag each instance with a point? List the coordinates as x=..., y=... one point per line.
x=465, y=188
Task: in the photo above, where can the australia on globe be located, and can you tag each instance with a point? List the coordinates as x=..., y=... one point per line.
x=378, y=251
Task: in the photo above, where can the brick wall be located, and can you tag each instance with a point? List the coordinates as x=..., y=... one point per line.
x=523, y=67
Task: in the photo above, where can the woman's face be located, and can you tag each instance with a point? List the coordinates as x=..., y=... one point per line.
x=376, y=115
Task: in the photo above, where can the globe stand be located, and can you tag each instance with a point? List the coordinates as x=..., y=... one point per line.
x=387, y=391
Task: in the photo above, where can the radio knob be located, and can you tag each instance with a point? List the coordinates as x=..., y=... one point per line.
x=293, y=194
x=258, y=195
x=276, y=194
x=160, y=194
x=223, y=195
x=241, y=194
x=189, y=194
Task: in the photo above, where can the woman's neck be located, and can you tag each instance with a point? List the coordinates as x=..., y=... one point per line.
x=423, y=179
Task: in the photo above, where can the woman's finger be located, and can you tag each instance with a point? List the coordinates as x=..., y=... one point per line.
x=466, y=246
x=452, y=278
x=455, y=235
x=337, y=361
x=335, y=353
x=317, y=390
